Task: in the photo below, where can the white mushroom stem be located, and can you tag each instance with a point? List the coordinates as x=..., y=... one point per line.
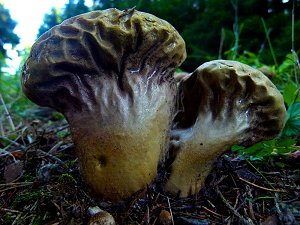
x=119, y=144
x=110, y=73
x=199, y=147
x=222, y=103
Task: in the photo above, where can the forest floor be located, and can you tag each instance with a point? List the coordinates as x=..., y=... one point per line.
x=40, y=183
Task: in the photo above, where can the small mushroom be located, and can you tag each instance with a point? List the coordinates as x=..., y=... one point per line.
x=100, y=217
x=110, y=73
x=220, y=104
x=164, y=218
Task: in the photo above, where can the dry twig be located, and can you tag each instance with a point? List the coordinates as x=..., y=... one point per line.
x=212, y=212
x=10, y=121
x=247, y=221
x=12, y=143
x=14, y=185
x=266, y=189
x=53, y=158
x=172, y=219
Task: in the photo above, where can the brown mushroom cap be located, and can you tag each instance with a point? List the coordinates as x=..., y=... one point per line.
x=110, y=73
x=222, y=103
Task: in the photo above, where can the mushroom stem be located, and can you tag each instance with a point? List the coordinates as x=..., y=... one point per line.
x=222, y=103
x=110, y=73
x=119, y=150
x=107, y=152
x=198, y=152
x=189, y=176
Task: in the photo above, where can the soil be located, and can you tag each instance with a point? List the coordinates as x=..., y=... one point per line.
x=40, y=183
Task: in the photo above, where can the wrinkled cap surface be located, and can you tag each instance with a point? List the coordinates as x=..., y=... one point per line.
x=111, y=74
x=235, y=96
x=113, y=44
x=220, y=104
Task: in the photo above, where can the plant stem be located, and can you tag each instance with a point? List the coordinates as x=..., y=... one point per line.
x=295, y=56
x=235, y=28
x=7, y=113
x=1, y=128
x=138, y=6
x=269, y=41
x=12, y=142
x=221, y=42
x=260, y=173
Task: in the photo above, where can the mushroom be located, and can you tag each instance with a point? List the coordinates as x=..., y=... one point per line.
x=220, y=104
x=110, y=73
x=178, y=76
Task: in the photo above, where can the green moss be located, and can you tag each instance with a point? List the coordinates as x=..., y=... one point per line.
x=28, y=178
x=66, y=177
x=8, y=219
x=30, y=196
x=38, y=221
x=64, y=133
x=57, y=116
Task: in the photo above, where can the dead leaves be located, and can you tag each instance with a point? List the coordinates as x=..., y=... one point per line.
x=40, y=181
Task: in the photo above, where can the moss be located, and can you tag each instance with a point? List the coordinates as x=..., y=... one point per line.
x=8, y=219
x=30, y=196
x=28, y=178
x=66, y=177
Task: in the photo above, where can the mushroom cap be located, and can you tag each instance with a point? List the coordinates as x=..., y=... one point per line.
x=100, y=217
x=178, y=76
x=224, y=90
x=111, y=74
x=220, y=104
x=67, y=63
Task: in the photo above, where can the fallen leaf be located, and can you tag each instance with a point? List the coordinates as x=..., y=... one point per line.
x=13, y=171
x=18, y=154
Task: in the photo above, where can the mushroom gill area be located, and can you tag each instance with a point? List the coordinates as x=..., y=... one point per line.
x=110, y=73
x=119, y=146
x=135, y=50
x=222, y=103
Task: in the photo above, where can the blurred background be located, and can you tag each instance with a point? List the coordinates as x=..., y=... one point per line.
x=211, y=29
x=35, y=143
x=261, y=33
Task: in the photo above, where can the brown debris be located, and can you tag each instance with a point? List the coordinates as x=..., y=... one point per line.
x=100, y=217
x=273, y=194
x=165, y=218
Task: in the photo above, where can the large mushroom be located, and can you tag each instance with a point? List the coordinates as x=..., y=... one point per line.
x=220, y=104
x=110, y=73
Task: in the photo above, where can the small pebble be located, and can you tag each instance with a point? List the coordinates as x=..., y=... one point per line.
x=191, y=221
x=164, y=218
x=100, y=217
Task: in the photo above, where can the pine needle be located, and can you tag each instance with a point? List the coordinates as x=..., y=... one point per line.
x=267, y=32
x=10, y=121
x=295, y=56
